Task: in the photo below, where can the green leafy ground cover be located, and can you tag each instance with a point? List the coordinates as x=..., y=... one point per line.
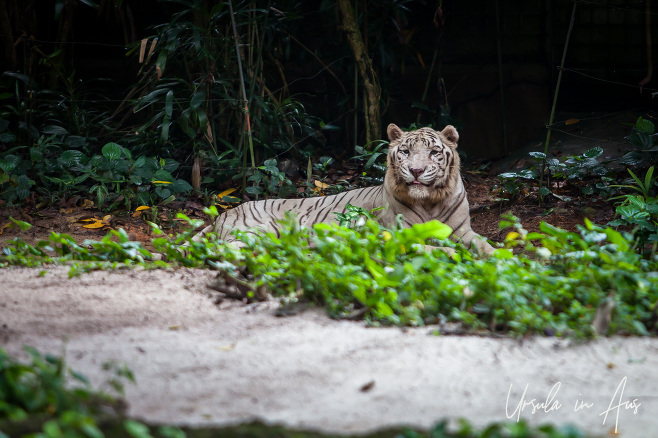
x=551, y=282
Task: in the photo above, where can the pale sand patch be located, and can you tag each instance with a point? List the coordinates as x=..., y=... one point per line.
x=307, y=371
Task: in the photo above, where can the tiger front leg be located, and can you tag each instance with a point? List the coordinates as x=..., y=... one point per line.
x=472, y=240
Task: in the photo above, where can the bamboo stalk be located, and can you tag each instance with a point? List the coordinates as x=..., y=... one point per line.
x=366, y=70
x=557, y=90
x=244, y=96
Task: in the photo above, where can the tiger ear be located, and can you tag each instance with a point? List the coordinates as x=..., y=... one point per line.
x=393, y=132
x=450, y=133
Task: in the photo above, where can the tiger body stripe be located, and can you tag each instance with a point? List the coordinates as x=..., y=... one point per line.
x=422, y=183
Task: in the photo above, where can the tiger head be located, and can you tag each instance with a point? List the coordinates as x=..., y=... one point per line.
x=423, y=165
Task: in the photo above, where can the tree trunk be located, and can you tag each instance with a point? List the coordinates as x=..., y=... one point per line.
x=368, y=75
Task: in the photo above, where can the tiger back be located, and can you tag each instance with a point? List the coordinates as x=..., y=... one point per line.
x=422, y=183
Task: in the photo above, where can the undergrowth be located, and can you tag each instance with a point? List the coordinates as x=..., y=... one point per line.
x=551, y=282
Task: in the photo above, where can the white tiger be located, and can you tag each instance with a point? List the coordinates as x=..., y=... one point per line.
x=422, y=183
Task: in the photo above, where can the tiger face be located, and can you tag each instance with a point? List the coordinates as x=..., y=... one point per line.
x=422, y=162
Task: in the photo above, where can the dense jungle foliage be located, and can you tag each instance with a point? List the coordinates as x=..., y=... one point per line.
x=218, y=89
x=222, y=102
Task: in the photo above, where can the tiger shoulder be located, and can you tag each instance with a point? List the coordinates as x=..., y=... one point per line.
x=422, y=183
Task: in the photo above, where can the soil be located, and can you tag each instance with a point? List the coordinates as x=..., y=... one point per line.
x=201, y=363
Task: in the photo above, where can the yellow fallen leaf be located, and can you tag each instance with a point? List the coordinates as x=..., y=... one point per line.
x=226, y=192
x=87, y=203
x=107, y=218
x=174, y=327
x=224, y=206
x=142, y=207
x=511, y=236
x=161, y=182
x=571, y=121
x=7, y=225
x=228, y=347
x=97, y=224
x=321, y=185
x=93, y=219
x=65, y=210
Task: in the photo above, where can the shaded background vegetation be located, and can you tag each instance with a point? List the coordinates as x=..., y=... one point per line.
x=164, y=84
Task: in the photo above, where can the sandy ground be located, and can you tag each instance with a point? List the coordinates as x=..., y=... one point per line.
x=198, y=363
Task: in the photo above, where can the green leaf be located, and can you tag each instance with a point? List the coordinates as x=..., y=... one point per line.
x=360, y=295
x=169, y=164
x=432, y=229
x=538, y=156
x=112, y=151
x=648, y=178
x=7, y=137
x=35, y=154
x=384, y=309
x=52, y=430
x=9, y=162
x=136, y=429
x=503, y=254
x=171, y=432
x=181, y=186
x=24, y=226
x=420, y=105
x=72, y=157
x=270, y=163
x=198, y=98
x=54, y=130
x=616, y=238
x=163, y=175
x=644, y=125
x=594, y=152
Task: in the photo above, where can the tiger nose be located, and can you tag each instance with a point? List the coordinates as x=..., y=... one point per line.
x=416, y=172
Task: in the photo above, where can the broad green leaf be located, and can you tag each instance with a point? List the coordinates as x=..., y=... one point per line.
x=35, y=154
x=136, y=429
x=163, y=175
x=594, y=152
x=9, y=162
x=432, y=229
x=616, y=238
x=169, y=164
x=54, y=129
x=73, y=157
x=503, y=254
x=181, y=186
x=644, y=125
x=7, y=137
x=112, y=151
